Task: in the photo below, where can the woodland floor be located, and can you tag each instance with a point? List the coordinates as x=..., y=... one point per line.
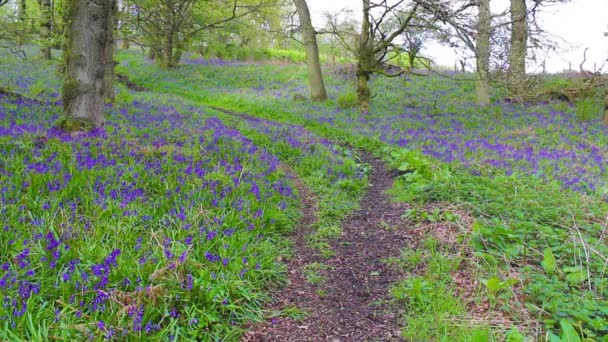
x=352, y=304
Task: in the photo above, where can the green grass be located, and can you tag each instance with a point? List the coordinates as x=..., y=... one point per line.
x=432, y=310
x=550, y=235
x=155, y=141
x=518, y=218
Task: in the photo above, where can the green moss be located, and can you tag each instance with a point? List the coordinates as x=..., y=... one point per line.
x=70, y=89
x=74, y=124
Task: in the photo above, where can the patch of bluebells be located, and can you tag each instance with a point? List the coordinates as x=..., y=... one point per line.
x=432, y=114
x=125, y=230
x=334, y=166
x=436, y=116
x=544, y=141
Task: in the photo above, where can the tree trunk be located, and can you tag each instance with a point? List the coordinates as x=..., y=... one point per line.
x=86, y=59
x=151, y=54
x=108, y=81
x=45, y=28
x=605, y=118
x=518, y=49
x=166, y=57
x=482, y=53
x=364, y=59
x=363, y=92
x=315, y=75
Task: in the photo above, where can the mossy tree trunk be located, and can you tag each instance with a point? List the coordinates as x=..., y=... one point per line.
x=363, y=91
x=315, y=75
x=45, y=28
x=519, y=46
x=166, y=57
x=365, y=55
x=482, y=53
x=85, y=60
x=108, y=85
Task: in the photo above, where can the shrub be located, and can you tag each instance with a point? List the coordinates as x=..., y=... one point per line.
x=347, y=100
x=588, y=109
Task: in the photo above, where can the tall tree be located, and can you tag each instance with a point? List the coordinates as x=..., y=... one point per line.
x=45, y=27
x=519, y=42
x=482, y=52
x=376, y=40
x=168, y=26
x=108, y=85
x=86, y=57
x=315, y=75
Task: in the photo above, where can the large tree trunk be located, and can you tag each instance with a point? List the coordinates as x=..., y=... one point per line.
x=315, y=75
x=518, y=49
x=86, y=59
x=45, y=28
x=108, y=81
x=482, y=47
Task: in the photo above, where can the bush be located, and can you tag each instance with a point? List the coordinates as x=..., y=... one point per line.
x=348, y=100
x=292, y=56
x=588, y=108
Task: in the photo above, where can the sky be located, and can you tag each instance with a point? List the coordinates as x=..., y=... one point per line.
x=576, y=25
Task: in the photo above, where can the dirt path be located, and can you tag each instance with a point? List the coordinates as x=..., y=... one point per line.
x=352, y=303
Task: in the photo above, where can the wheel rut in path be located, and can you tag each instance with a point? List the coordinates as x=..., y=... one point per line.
x=352, y=304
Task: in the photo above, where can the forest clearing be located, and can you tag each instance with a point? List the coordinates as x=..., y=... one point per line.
x=352, y=190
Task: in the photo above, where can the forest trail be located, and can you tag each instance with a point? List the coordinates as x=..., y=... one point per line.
x=352, y=303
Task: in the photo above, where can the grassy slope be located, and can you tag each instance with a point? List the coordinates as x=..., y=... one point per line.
x=163, y=168
x=553, y=236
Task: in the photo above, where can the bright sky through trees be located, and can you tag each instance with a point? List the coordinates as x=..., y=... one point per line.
x=576, y=25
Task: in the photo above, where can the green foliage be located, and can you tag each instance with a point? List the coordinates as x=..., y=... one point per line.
x=313, y=273
x=74, y=125
x=413, y=164
x=437, y=215
x=549, y=263
x=432, y=309
x=518, y=216
x=514, y=225
x=348, y=100
x=588, y=109
x=291, y=56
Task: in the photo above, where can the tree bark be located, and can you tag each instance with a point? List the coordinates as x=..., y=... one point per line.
x=166, y=56
x=45, y=28
x=363, y=92
x=86, y=59
x=519, y=38
x=315, y=75
x=364, y=56
x=108, y=81
x=482, y=53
